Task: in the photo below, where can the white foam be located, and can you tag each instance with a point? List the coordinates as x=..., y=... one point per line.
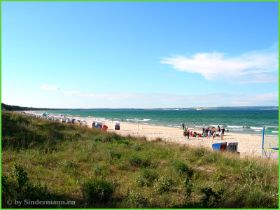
x=256, y=128
x=145, y=120
x=137, y=120
x=235, y=126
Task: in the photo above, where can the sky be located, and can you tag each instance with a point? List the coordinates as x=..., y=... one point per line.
x=139, y=55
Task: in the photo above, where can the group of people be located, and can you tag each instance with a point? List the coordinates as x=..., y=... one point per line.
x=206, y=132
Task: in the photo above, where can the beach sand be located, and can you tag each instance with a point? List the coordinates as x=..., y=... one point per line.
x=248, y=144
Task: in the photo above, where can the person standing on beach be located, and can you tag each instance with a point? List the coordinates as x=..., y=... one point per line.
x=214, y=134
x=183, y=126
x=222, y=133
x=188, y=134
x=209, y=133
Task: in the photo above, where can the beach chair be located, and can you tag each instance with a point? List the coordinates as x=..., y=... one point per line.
x=104, y=128
x=117, y=126
x=223, y=147
x=232, y=147
x=219, y=146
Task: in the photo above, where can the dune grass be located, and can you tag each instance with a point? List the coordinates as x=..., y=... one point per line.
x=52, y=161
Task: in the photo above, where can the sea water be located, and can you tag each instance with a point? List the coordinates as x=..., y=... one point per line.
x=234, y=119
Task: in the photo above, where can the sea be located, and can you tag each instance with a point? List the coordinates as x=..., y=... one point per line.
x=250, y=120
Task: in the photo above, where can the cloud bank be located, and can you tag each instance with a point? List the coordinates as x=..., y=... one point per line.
x=251, y=67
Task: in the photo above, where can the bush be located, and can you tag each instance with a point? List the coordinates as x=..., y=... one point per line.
x=146, y=178
x=182, y=168
x=138, y=161
x=107, y=137
x=114, y=155
x=69, y=166
x=138, y=147
x=188, y=187
x=97, y=191
x=136, y=200
x=251, y=173
x=20, y=175
x=164, y=185
x=210, y=198
x=100, y=170
x=18, y=187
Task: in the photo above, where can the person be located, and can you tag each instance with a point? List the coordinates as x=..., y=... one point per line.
x=194, y=134
x=219, y=129
x=209, y=133
x=188, y=134
x=183, y=126
x=223, y=131
x=206, y=132
x=214, y=134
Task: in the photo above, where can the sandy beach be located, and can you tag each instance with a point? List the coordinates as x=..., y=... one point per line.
x=248, y=144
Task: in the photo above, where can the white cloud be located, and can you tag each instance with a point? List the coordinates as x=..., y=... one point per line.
x=49, y=87
x=252, y=67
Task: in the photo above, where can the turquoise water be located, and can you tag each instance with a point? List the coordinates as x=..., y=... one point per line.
x=234, y=119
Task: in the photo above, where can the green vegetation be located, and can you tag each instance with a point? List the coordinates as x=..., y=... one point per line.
x=7, y=107
x=51, y=161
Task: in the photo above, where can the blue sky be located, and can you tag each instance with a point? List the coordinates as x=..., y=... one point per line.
x=148, y=55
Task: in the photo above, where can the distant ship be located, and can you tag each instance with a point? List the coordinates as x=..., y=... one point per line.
x=199, y=108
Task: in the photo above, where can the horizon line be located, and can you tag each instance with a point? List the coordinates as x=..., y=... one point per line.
x=193, y=107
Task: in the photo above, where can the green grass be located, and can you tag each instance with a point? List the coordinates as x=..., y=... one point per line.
x=53, y=161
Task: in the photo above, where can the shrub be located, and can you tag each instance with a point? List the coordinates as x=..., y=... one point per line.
x=18, y=187
x=114, y=155
x=138, y=161
x=188, y=187
x=69, y=165
x=136, y=200
x=251, y=173
x=99, y=170
x=123, y=141
x=97, y=191
x=210, y=198
x=20, y=175
x=182, y=168
x=138, y=147
x=164, y=185
x=146, y=177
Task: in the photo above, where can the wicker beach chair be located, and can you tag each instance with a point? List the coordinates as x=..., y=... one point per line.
x=232, y=147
